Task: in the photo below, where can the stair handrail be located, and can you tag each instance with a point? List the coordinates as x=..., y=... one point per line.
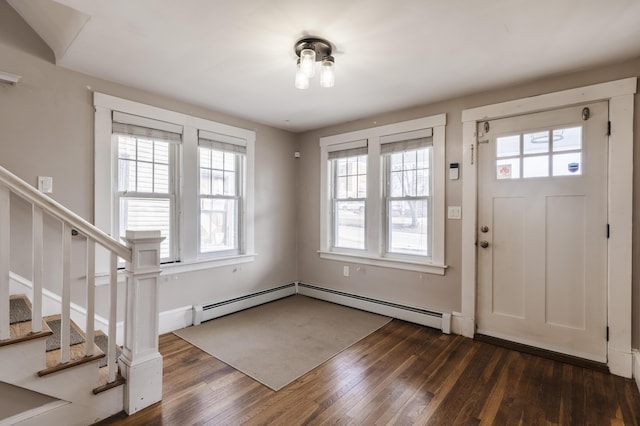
x=57, y=210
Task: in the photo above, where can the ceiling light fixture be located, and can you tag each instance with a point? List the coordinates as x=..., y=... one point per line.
x=309, y=51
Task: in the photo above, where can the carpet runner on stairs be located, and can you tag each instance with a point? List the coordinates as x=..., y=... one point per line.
x=20, y=311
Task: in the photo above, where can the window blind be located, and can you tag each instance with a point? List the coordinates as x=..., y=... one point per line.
x=405, y=145
x=133, y=125
x=349, y=149
x=221, y=142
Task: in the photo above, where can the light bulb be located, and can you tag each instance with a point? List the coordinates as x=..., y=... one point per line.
x=308, y=62
x=302, y=82
x=327, y=72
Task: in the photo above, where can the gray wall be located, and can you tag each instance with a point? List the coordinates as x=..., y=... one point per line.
x=46, y=124
x=412, y=288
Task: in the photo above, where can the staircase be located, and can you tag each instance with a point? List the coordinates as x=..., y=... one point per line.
x=54, y=370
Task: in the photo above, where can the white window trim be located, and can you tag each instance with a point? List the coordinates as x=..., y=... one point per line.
x=620, y=95
x=373, y=255
x=187, y=204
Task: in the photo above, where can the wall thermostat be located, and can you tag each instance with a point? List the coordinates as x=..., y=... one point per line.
x=454, y=171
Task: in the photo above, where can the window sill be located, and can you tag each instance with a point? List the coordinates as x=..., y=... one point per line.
x=407, y=265
x=187, y=266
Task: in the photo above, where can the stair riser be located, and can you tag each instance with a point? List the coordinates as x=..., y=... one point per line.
x=82, y=413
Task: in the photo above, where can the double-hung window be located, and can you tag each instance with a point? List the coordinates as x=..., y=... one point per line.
x=383, y=196
x=190, y=178
x=146, y=172
x=220, y=194
x=408, y=215
x=349, y=196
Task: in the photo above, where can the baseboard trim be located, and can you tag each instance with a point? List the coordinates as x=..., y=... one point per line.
x=438, y=320
x=175, y=319
x=202, y=313
x=636, y=368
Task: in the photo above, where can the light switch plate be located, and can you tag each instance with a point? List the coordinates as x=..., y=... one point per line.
x=454, y=212
x=45, y=184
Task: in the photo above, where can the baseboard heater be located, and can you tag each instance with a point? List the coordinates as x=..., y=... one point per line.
x=439, y=320
x=202, y=313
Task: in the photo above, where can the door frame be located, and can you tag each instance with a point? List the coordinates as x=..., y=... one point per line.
x=620, y=95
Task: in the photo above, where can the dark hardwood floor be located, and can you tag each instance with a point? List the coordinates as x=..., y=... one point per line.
x=403, y=374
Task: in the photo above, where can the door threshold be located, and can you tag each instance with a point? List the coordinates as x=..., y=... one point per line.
x=543, y=353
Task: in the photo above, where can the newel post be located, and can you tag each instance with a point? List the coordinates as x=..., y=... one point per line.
x=140, y=362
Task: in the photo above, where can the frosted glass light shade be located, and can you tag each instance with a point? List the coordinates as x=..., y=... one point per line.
x=302, y=81
x=327, y=72
x=308, y=62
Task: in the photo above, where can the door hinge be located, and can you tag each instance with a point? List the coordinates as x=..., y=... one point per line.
x=607, y=333
x=608, y=230
x=609, y=128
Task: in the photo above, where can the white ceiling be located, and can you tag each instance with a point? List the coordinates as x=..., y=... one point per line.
x=236, y=56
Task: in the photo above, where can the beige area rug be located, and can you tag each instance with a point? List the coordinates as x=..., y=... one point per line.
x=278, y=342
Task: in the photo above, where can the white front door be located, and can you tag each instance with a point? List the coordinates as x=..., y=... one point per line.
x=542, y=237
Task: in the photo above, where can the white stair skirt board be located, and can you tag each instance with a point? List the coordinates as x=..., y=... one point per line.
x=439, y=320
x=202, y=313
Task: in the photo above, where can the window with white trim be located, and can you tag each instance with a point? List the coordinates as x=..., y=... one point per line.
x=220, y=193
x=146, y=173
x=349, y=197
x=150, y=171
x=383, y=196
x=407, y=197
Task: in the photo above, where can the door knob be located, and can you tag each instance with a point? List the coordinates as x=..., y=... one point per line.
x=484, y=244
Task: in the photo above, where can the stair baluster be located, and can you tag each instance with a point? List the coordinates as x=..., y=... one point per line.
x=38, y=258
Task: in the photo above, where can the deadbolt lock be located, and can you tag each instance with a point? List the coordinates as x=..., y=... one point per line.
x=484, y=244
x=484, y=229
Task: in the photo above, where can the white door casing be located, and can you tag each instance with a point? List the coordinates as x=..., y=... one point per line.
x=542, y=229
x=620, y=95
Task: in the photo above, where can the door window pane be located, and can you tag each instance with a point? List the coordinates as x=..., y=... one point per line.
x=535, y=166
x=508, y=168
x=567, y=139
x=535, y=143
x=567, y=164
x=508, y=146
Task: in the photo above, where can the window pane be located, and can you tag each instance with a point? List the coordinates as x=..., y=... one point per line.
x=126, y=175
x=205, y=157
x=217, y=182
x=362, y=165
x=230, y=183
x=161, y=179
x=409, y=227
x=145, y=177
x=535, y=166
x=396, y=161
x=396, y=184
x=140, y=214
x=536, y=142
x=567, y=139
x=508, y=146
x=145, y=150
x=567, y=164
x=217, y=160
x=161, y=153
x=126, y=147
x=341, y=166
x=423, y=189
x=229, y=161
x=341, y=187
x=218, y=225
x=508, y=169
x=349, y=224
x=205, y=181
